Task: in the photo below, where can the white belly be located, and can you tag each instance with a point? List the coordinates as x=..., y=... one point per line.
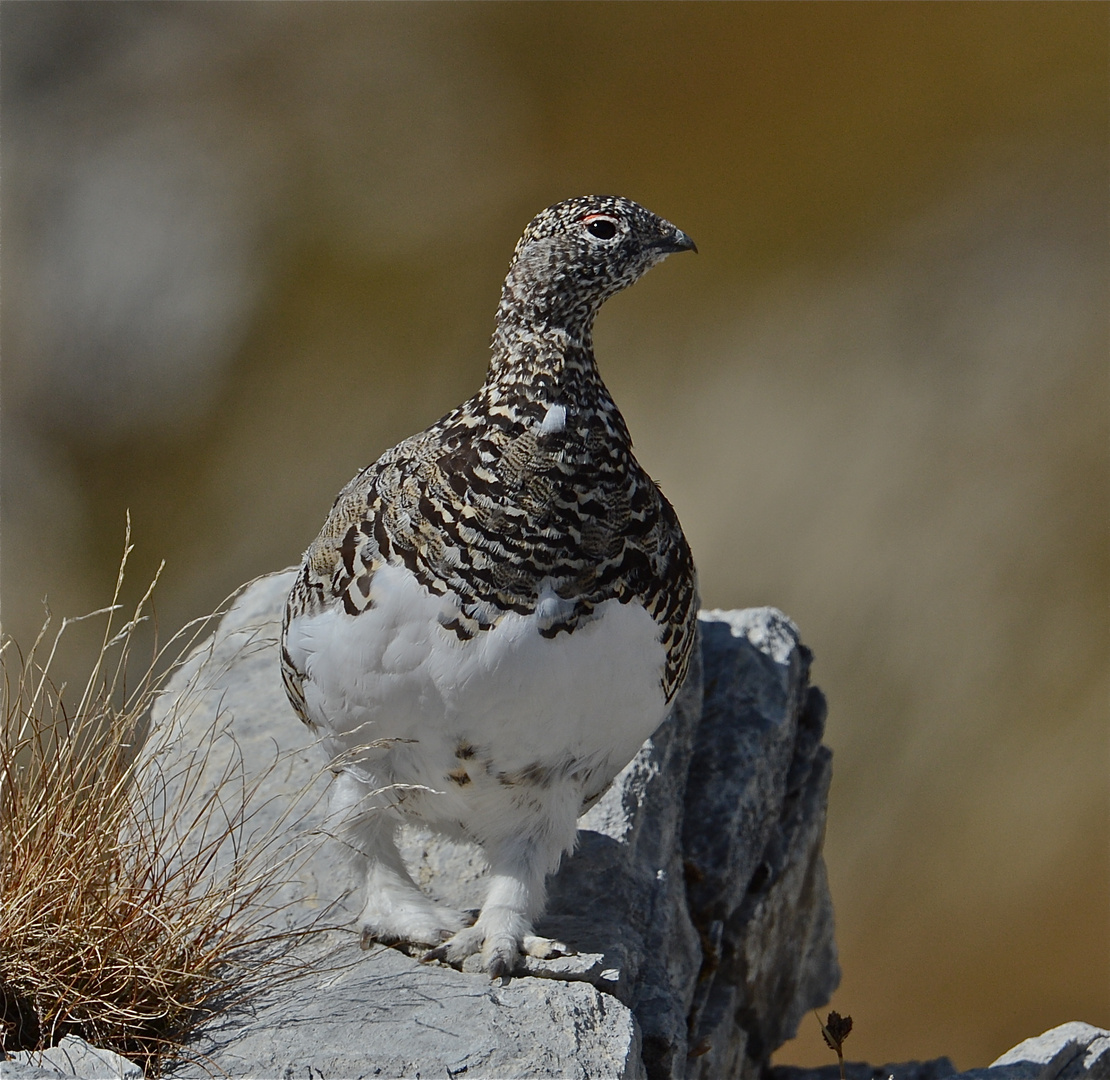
x=584, y=700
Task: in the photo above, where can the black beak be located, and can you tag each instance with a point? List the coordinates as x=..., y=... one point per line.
x=676, y=241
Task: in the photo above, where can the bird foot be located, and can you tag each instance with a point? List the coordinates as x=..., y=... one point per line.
x=414, y=925
x=500, y=953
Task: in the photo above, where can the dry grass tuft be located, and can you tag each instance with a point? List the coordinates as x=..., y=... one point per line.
x=119, y=922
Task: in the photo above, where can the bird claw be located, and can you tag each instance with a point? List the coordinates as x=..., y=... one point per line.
x=438, y=954
x=545, y=948
x=499, y=971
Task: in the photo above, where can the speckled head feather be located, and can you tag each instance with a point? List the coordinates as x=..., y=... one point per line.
x=576, y=254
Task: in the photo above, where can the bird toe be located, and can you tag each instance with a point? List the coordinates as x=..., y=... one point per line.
x=545, y=948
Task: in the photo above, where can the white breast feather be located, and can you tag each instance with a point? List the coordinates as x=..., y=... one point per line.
x=393, y=672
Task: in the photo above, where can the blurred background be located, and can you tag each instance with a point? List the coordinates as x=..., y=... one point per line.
x=247, y=247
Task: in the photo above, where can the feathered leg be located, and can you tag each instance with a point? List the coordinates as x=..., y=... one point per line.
x=395, y=910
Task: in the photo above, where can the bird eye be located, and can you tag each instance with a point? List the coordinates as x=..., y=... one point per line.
x=603, y=228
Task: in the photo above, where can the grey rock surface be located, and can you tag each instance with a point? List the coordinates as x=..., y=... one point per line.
x=1072, y=1051
x=72, y=1057
x=696, y=898
x=754, y=828
x=382, y=1014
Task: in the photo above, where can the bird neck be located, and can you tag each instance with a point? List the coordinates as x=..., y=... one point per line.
x=545, y=362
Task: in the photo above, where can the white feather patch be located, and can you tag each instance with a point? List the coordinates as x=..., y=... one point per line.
x=393, y=672
x=554, y=420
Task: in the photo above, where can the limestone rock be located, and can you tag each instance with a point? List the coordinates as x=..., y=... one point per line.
x=1073, y=1051
x=696, y=898
x=72, y=1057
x=754, y=829
x=1070, y=1050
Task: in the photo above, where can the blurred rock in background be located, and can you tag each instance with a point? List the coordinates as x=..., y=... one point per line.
x=248, y=247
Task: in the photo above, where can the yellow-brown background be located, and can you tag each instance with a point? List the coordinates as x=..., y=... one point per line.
x=247, y=247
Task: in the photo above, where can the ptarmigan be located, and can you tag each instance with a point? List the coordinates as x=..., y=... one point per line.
x=499, y=611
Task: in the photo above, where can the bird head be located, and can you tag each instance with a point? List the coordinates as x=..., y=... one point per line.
x=576, y=254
